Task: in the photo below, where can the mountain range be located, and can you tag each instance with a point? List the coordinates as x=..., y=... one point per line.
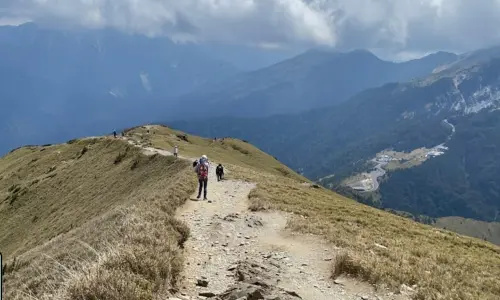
x=440, y=133
x=417, y=136
x=314, y=79
x=57, y=84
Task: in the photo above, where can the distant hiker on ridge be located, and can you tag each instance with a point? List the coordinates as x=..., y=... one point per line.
x=176, y=151
x=114, y=133
x=202, y=170
x=220, y=172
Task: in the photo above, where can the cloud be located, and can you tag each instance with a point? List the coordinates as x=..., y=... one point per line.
x=397, y=26
x=248, y=21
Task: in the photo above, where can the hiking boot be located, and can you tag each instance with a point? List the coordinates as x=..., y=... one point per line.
x=198, y=197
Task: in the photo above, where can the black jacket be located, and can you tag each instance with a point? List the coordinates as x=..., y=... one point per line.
x=219, y=170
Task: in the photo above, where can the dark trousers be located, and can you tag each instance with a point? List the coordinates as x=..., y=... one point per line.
x=220, y=176
x=203, y=182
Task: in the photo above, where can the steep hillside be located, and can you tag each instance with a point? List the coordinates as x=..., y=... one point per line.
x=415, y=253
x=105, y=226
x=316, y=78
x=74, y=218
x=488, y=231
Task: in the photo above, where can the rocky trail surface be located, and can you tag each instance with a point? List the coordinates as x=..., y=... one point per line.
x=236, y=254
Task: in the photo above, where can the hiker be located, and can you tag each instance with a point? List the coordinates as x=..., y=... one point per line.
x=220, y=172
x=176, y=151
x=202, y=170
x=114, y=133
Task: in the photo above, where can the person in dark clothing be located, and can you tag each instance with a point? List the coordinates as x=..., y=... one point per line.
x=220, y=172
x=114, y=133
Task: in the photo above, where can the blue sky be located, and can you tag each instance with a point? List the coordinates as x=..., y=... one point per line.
x=397, y=28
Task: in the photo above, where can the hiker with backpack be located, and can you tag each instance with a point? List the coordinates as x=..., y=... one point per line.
x=202, y=170
x=220, y=172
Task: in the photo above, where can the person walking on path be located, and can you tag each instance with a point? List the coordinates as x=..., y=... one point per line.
x=202, y=171
x=220, y=172
x=176, y=151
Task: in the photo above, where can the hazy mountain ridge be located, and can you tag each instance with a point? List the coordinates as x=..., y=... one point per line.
x=55, y=85
x=314, y=79
x=342, y=140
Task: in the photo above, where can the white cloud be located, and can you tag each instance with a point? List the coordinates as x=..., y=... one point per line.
x=12, y=21
x=406, y=26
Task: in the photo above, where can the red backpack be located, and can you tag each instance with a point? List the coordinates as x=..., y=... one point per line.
x=203, y=170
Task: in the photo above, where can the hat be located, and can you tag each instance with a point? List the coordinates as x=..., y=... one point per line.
x=204, y=156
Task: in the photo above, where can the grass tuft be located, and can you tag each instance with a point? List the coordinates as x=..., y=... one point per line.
x=119, y=158
x=344, y=264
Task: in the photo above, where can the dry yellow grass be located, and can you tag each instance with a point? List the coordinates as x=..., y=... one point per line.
x=378, y=247
x=386, y=249
x=489, y=231
x=229, y=151
x=104, y=228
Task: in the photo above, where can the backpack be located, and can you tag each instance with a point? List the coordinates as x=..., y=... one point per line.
x=203, y=170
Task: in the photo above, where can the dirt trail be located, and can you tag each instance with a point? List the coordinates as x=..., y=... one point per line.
x=230, y=244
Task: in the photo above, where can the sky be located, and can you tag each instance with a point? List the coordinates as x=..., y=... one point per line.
x=398, y=28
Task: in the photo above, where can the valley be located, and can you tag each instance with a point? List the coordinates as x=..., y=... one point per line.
x=440, y=138
x=390, y=161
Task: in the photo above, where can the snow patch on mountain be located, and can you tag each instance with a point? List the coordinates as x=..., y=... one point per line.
x=145, y=82
x=487, y=96
x=484, y=98
x=459, y=78
x=117, y=92
x=408, y=115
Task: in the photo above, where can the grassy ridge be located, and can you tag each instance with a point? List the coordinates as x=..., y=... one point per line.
x=378, y=247
x=104, y=228
x=229, y=151
x=374, y=245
